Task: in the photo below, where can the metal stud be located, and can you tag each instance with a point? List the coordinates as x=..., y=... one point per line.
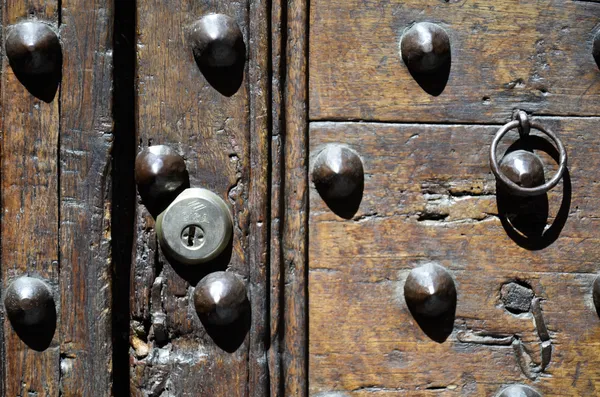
x=217, y=41
x=596, y=48
x=519, y=391
x=160, y=173
x=337, y=172
x=523, y=168
x=429, y=290
x=596, y=293
x=425, y=47
x=220, y=298
x=33, y=48
x=29, y=302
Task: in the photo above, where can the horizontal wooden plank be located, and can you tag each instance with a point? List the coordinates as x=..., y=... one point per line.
x=429, y=196
x=505, y=54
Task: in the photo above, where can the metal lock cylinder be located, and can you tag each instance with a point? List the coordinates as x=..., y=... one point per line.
x=196, y=227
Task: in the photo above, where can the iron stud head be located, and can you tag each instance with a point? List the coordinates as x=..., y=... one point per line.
x=33, y=48
x=29, y=302
x=220, y=298
x=523, y=168
x=596, y=48
x=217, y=41
x=429, y=290
x=425, y=47
x=160, y=173
x=337, y=172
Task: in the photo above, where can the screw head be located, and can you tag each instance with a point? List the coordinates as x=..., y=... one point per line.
x=519, y=391
x=523, y=168
x=425, y=47
x=160, y=172
x=196, y=227
x=28, y=302
x=33, y=48
x=217, y=41
x=596, y=48
x=220, y=298
x=429, y=290
x=337, y=172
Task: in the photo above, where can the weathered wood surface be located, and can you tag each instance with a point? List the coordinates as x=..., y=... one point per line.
x=56, y=202
x=429, y=196
x=224, y=141
x=505, y=55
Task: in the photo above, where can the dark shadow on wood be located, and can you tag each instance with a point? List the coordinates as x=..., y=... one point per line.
x=438, y=328
x=123, y=194
x=37, y=336
x=231, y=336
x=156, y=205
x=41, y=86
x=525, y=219
x=226, y=80
x=434, y=82
x=347, y=207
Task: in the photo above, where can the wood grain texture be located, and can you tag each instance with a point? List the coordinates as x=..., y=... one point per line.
x=224, y=142
x=505, y=55
x=429, y=196
x=295, y=202
x=86, y=141
x=30, y=203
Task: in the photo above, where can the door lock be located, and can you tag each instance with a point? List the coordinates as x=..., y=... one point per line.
x=196, y=227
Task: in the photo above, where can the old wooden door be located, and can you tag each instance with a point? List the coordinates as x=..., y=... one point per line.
x=372, y=250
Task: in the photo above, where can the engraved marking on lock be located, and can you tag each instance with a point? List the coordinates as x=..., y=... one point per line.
x=192, y=237
x=198, y=206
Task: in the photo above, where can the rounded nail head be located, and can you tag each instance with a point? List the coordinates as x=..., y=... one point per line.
x=519, y=391
x=596, y=293
x=217, y=41
x=429, y=290
x=337, y=172
x=160, y=172
x=33, y=48
x=596, y=48
x=425, y=47
x=220, y=298
x=28, y=302
x=523, y=168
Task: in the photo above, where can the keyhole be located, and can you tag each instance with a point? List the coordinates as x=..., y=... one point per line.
x=192, y=236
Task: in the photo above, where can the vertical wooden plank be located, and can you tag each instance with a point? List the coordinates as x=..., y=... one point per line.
x=259, y=195
x=172, y=351
x=85, y=202
x=29, y=226
x=295, y=222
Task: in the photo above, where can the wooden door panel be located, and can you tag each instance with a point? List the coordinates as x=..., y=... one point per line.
x=505, y=55
x=429, y=196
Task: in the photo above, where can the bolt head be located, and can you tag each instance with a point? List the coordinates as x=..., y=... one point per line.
x=196, y=227
x=217, y=41
x=337, y=172
x=519, y=391
x=596, y=48
x=33, y=48
x=28, y=302
x=425, y=47
x=220, y=298
x=523, y=168
x=160, y=173
x=429, y=290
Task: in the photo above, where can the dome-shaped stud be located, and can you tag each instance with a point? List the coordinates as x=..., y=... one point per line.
x=29, y=302
x=430, y=291
x=33, y=48
x=425, y=47
x=523, y=168
x=519, y=391
x=160, y=173
x=337, y=172
x=220, y=298
x=217, y=41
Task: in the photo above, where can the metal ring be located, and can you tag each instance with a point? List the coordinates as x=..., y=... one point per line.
x=528, y=191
